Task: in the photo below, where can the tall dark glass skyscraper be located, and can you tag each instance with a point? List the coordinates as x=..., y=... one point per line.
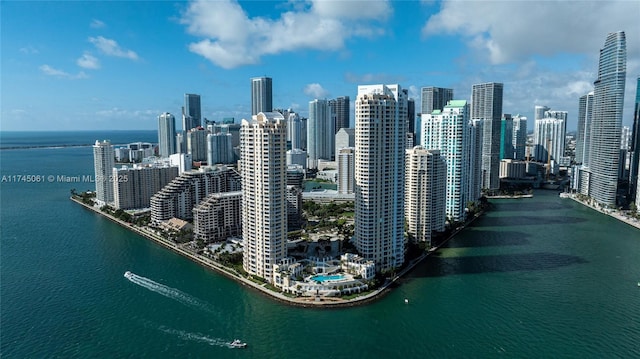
x=261, y=95
x=192, y=116
x=434, y=98
x=341, y=109
x=608, y=102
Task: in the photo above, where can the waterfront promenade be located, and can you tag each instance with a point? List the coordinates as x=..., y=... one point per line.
x=187, y=251
x=609, y=212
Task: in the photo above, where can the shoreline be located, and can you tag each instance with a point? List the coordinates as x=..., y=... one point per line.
x=610, y=213
x=515, y=196
x=306, y=302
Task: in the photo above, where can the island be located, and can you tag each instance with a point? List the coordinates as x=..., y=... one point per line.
x=322, y=282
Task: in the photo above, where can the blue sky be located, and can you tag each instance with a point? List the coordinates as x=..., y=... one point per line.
x=77, y=65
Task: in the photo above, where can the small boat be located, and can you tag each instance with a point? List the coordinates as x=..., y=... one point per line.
x=406, y=301
x=237, y=344
x=128, y=274
x=638, y=284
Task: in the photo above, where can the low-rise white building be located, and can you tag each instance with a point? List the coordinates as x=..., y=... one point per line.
x=358, y=266
x=285, y=272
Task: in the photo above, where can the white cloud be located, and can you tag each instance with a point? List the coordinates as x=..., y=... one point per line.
x=110, y=47
x=51, y=71
x=88, y=61
x=315, y=90
x=509, y=31
x=97, y=24
x=232, y=39
x=29, y=50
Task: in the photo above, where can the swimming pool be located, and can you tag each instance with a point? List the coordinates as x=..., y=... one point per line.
x=324, y=278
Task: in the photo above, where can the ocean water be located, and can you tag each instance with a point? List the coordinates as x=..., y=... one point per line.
x=534, y=278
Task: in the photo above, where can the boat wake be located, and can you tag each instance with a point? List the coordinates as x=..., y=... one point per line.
x=166, y=291
x=198, y=337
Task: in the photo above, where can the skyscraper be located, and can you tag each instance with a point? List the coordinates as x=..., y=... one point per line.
x=346, y=168
x=474, y=187
x=103, y=163
x=486, y=104
x=263, y=146
x=381, y=112
x=539, y=112
x=166, y=135
x=192, y=116
x=320, y=132
x=519, y=137
x=346, y=137
x=219, y=148
x=294, y=129
x=549, y=135
x=583, y=136
x=261, y=95
x=425, y=192
x=435, y=98
x=635, y=147
x=342, y=112
x=506, y=137
x=608, y=102
x=197, y=144
x=448, y=131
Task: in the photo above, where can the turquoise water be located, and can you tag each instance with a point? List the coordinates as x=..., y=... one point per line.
x=534, y=278
x=323, y=278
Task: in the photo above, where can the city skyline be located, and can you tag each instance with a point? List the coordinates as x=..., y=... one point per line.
x=91, y=68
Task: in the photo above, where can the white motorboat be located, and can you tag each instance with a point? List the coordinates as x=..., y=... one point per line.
x=128, y=274
x=237, y=344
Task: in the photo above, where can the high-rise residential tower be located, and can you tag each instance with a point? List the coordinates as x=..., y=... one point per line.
x=261, y=95
x=103, y=163
x=342, y=112
x=166, y=135
x=263, y=146
x=635, y=147
x=425, y=192
x=549, y=135
x=608, y=102
x=434, y=98
x=381, y=112
x=449, y=132
x=219, y=148
x=192, y=116
x=583, y=136
x=486, y=104
x=320, y=132
x=539, y=112
x=294, y=129
x=197, y=144
x=346, y=137
x=345, y=158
